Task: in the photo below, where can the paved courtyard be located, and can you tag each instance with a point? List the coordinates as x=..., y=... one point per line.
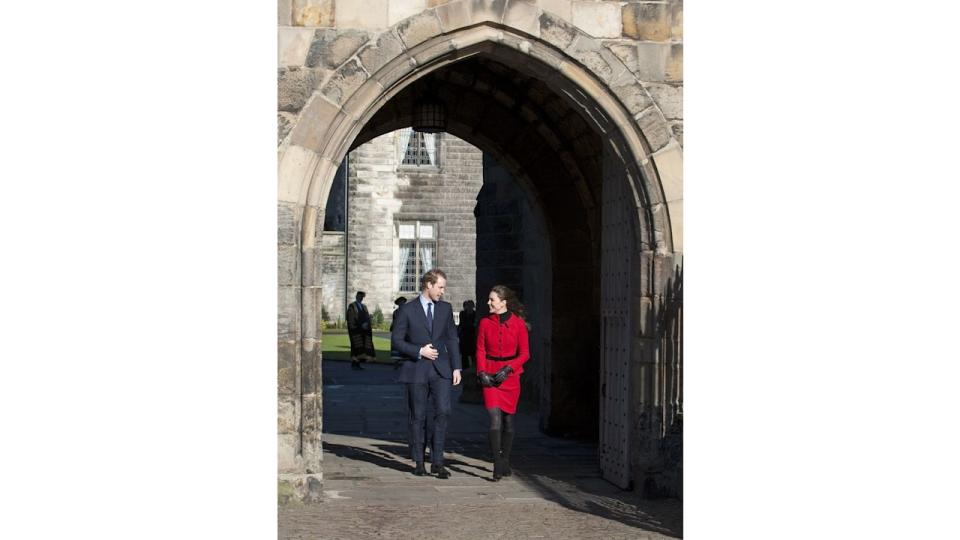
x=369, y=491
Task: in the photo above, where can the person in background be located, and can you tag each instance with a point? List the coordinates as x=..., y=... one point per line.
x=467, y=333
x=360, y=332
x=395, y=354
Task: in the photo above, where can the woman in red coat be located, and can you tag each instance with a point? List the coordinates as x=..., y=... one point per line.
x=503, y=347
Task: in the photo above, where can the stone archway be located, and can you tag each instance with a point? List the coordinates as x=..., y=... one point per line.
x=637, y=152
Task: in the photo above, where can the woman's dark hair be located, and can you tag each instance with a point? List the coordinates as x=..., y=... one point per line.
x=513, y=303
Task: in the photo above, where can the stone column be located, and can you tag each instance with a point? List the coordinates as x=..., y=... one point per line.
x=311, y=377
x=656, y=446
x=300, y=398
x=288, y=350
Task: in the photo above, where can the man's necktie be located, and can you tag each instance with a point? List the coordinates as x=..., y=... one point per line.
x=430, y=316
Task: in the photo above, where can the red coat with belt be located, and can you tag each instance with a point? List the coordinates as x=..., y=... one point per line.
x=502, y=337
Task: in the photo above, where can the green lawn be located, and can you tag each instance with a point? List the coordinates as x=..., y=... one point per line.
x=336, y=346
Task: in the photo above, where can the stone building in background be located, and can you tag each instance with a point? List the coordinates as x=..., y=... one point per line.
x=410, y=207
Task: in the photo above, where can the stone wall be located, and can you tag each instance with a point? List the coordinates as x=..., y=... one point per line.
x=332, y=252
x=316, y=36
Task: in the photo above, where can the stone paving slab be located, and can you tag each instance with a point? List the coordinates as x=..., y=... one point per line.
x=369, y=492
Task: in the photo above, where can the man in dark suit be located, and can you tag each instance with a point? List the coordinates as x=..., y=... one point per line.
x=424, y=334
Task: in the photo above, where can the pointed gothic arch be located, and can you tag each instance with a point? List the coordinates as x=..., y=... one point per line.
x=637, y=146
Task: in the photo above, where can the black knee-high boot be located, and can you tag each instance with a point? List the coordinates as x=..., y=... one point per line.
x=495, y=442
x=506, y=445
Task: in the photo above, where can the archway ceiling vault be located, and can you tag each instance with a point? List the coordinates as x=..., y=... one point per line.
x=522, y=123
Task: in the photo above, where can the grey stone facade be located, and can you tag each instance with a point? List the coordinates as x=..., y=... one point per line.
x=383, y=193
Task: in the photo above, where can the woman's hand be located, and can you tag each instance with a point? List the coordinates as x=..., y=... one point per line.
x=484, y=378
x=502, y=375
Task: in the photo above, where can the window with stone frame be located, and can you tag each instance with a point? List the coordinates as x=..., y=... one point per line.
x=416, y=149
x=417, y=254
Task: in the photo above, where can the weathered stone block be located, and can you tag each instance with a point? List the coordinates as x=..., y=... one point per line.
x=312, y=314
x=287, y=367
x=313, y=12
x=292, y=45
x=288, y=448
x=654, y=128
x=310, y=367
x=312, y=414
x=596, y=58
x=295, y=489
x=418, y=29
x=287, y=415
x=311, y=131
x=345, y=82
x=652, y=21
x=669, y=98
x=454, y=15
x=435, y=3
x=559, y=8
x=284, y=12
x=652, y=61
x=288, y=265
x=288, y=311
x=375, y=54
x=331, y=48
x=631, y=93
x=365, y=14
x=675, y=7
x=285, y=121
x=673, y=71
x=399, y=10
x=677, y=129
x=293, y=160
x=294, y=87
x=486, y=10
x=675, y=210
x=626, y=52
x=286, y=224
x=312, y=262
x=523, y=16
x=599, y=19
x=557, y=32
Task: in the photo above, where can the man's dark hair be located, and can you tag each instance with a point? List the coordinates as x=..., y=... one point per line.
x=431, y=277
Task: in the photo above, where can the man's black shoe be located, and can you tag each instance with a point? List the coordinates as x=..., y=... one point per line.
x=441, y=471
x=419, y=470
x=355, y=365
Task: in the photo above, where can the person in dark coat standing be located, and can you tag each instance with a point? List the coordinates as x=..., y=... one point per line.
x=503, y=346
x=395, y=354
x=467, y=333
x=361, y=332
x=424, y=333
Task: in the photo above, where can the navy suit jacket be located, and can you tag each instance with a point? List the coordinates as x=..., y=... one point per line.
x=410, y=333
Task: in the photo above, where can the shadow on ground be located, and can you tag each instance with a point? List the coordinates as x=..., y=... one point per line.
x=559, y=470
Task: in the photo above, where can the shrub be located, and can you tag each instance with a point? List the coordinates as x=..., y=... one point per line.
x=376, y=320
